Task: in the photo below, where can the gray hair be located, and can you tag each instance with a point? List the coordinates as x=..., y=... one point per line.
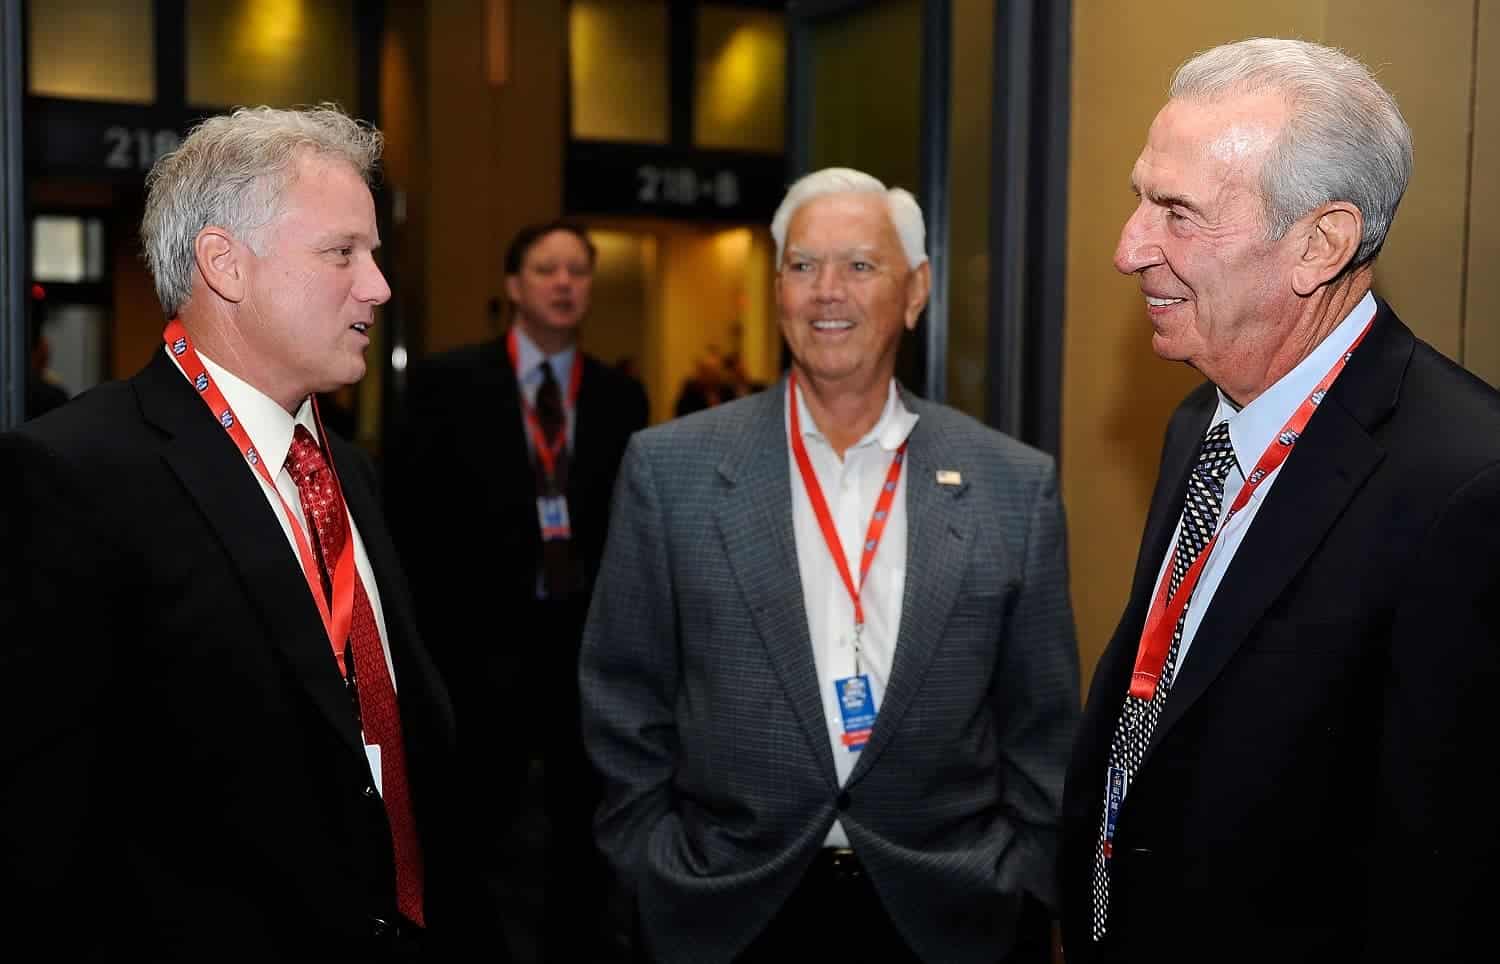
x=230, y=171
x=906, y=214
x=1344, y=138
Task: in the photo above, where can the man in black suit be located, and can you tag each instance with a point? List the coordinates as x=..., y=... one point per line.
x=530, y=432
x=203, y=626
x=1287, y=751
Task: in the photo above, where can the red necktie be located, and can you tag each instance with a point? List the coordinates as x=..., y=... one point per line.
x=323, y=504
x=557, y=554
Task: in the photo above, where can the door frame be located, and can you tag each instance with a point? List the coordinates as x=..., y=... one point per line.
x=1030, y=94
x=802, y=17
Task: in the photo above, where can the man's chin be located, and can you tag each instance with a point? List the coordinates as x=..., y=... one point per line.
x=1167, y=348
x=564, y=323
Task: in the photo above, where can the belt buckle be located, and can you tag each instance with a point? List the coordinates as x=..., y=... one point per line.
x=844, y=863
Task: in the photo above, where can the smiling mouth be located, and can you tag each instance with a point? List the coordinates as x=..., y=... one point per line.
x=362, y=327
x=1163, y=302
x=832, y=324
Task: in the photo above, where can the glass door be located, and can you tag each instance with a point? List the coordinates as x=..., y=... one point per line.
x=868, y=90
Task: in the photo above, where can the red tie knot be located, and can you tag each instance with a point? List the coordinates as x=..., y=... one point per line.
x=305, y=458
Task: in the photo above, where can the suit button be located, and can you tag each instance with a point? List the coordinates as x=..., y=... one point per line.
x=379, y=927
x=844, y=800
x=369, y=792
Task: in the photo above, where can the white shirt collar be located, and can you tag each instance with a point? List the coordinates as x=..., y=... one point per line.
x=1252, y=428
x=269, y=426
x=895, y=424
x=531, y=357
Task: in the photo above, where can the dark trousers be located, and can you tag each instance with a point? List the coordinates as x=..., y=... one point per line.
x=577, y=879
x=835, y=914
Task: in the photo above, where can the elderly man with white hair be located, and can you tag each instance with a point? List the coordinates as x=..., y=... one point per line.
x=1288, y=750
x=830, y=675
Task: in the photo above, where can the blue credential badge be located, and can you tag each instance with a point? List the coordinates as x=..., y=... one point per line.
x=857, y=706
x=1114, y=798
x=552, y=514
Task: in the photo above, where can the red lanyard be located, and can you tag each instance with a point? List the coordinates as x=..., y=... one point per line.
x=1156, y=635
x=336, y=621
x=548, y=453
x=825, y=519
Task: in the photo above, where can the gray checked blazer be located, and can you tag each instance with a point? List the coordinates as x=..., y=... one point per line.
x=701, y=706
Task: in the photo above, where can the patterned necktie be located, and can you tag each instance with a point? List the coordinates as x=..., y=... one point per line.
x=1200, y=515
x=557, y=554
x=379, y=713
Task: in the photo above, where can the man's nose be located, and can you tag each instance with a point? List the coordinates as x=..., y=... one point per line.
x=1137, y=247
x=828, y=285
x=373, y=287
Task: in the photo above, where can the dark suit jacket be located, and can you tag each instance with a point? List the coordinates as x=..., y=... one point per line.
x=1319, y=787
x=702, y=706
x=462, y=496
x=181, y=774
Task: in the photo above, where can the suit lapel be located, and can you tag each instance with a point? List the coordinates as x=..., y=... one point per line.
x=1329, y=465
x=416, y=677
x=939, y=533
x=216, y=479
x=497, y=393
x=586, y=425
x=755, y=522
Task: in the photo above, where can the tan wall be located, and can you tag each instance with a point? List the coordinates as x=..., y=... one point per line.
x=1422, y=55
x=1482, y=305
x=494, y=155
x=1116, y=393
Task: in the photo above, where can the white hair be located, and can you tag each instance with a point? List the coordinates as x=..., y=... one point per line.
x=230, y=171
x=1344, y=138
x=906, y=214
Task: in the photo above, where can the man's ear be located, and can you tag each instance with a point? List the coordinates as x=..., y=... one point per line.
x=220, y=263
x=918, y=287
x=513, y=288
x=1331, y=238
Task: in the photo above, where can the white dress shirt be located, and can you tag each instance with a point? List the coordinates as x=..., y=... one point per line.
x=270, y=428
x=1251, y=430
x=530, y=359
x=851, y=487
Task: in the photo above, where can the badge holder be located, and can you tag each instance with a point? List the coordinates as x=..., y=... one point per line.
x=856, y=704
x=552, y=514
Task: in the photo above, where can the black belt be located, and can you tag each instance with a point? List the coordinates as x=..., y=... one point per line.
x=395, y=936
x=838, y=864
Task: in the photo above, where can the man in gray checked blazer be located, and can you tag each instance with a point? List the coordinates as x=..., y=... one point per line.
x=806, y=758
